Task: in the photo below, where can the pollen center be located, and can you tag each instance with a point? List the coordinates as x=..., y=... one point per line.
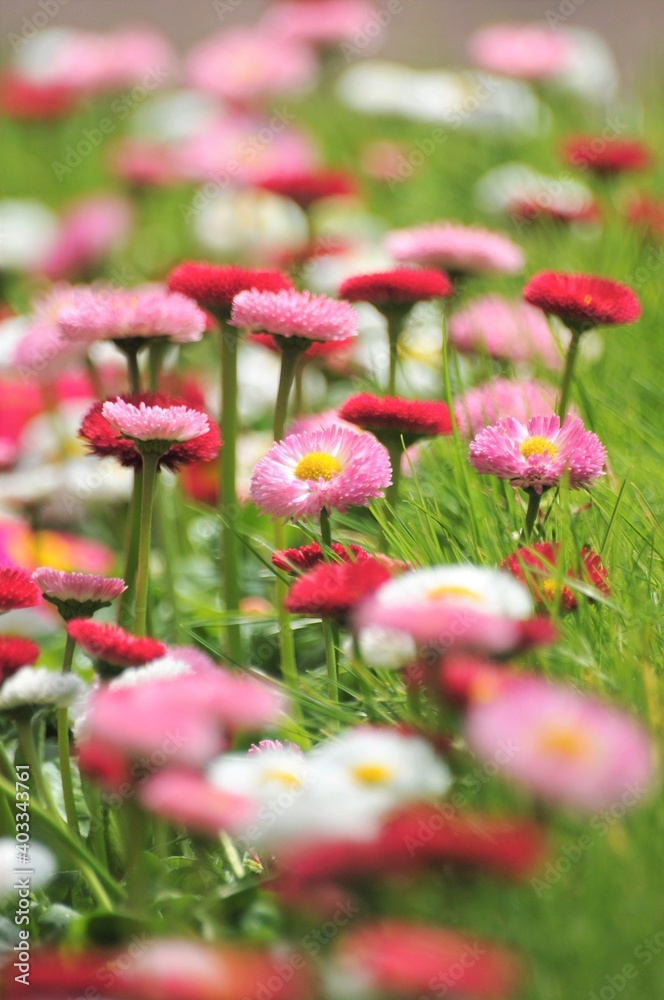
x=286, y=778
x=453, y=594
x=317, y=465
x=538, y=445
x=564, y=743
x=549, y=589
x=587, y=299
x=372, y=774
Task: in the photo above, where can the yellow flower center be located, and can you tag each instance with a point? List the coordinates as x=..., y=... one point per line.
x=538, y=445
x=453, y=594
x=550, y=589
x=587, y=299
x=372, y=774
x=317, y=465
x=286, y=778
x=566, y=743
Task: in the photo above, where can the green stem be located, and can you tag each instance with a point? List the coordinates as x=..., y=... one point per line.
x=286, y=641
x=534, y=501
x=97, y=817
x=228, y=344
x=95, y=378
x=167, y=535
x=150, y=465
x=394, y=325
x=64, y=758
x=133, y=371
x=328, y=629
x=29, y=751
x=290, y=355
x=567, y=374
x=157, y=349
x=135, y=842
x=133, y=533
x=395, y=450
x=101, y=883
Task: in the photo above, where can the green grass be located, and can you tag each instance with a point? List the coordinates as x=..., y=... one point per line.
x=604, y=902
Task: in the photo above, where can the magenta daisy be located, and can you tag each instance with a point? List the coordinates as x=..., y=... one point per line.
x=458, y=249
x=77, y=595
x=572, y=750
x=155, y=423
x=536, y=455
x=137, y=313
x=331, y=469
x=295, y=314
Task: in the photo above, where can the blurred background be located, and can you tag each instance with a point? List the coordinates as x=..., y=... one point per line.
x=428, y=32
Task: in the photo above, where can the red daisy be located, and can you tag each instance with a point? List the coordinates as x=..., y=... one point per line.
x=21, y=98
x=398, y=959
x=16, y=652
x=533, y=208
x=308, y=188
x=647, y=214
x=417, y=837
x=104, y=441
x=112, y=647
x=606, y=157
x=582, y=300
x=402, y=286
x=17, y=590
x=215, y=286
x=537, y=566
x=307, y=556
x=332, y=590
x=390, y=415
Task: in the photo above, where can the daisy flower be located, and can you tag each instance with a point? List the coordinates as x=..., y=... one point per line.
x=111, y=647
x=525, y=51
x=135, y=314
x=392, y=416
x=333, y=589
x=331, y=469
x=307, y=556
x=449, y=606
x=295, y=314
x=502, y=328
x=537, y=567
x=572, y=750
x=16, y=652
x=395, y=958
x=583, y=301
x=458, y=249
x=37, y=687
x=77, y=595
x=103, y=440
x=307, y=188
x=215, y=286
x=607, y=158
x=402, y=286
x=536, y=455
x=319, y=22
x=17, y=590
x=41, y=867
x=503, y=397
x=155, y=425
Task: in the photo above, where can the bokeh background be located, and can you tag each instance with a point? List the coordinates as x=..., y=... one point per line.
x=428, y=32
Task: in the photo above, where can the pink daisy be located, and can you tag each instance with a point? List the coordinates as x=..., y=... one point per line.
x=155, y=423
x=137, y=313
x=525, y=51
x=77, y=595
x=503, y=397
x=319, y=22
x=502, y=328
x=331, y=469
x=537, y=455
x=295, y=314
x=247, y=64
x=458, y=249
x=571, y=750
